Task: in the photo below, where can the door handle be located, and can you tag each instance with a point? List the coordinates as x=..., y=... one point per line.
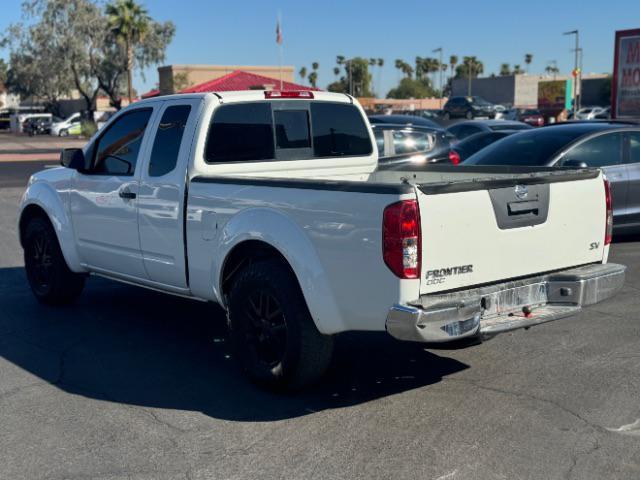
x=127, y=194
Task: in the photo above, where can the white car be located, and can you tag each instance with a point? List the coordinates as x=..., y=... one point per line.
x=61, y=129
x=272, y=205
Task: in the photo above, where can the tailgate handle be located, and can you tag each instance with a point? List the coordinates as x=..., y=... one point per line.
x=523, y=208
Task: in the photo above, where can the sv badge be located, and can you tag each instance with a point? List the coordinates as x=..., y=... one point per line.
x=594, y=245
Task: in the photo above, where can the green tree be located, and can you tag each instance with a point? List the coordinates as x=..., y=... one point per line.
x=336, y=71
x=517, y=70
x=471, y=67
x=69, y=44
x=552, y=69
x=453, y=61
x=528, y=58
x=313, y=78
x=3, y=72
x=505, y=70
x=130, y=23
x=303, y=73
x=412, y=88
x=356, y=78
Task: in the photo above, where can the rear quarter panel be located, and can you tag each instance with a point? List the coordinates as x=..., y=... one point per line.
x=331, y=239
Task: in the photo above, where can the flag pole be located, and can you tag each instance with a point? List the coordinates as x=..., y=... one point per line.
x=279, y=41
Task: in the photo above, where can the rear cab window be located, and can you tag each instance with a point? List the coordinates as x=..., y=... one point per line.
x=286, y=130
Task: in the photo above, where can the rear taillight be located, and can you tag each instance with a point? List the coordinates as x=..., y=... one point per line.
x=288, y=94
x=608, y=230
x=454, y=157
x=401, y=238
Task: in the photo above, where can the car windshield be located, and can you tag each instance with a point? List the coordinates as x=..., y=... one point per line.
x=530, y=148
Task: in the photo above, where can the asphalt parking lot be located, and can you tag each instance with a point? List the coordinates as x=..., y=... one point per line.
x=132, y=384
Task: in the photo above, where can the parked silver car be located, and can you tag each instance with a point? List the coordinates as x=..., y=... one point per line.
x=612, y=146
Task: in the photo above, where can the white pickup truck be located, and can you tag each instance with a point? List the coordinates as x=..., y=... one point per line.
x=272, y=205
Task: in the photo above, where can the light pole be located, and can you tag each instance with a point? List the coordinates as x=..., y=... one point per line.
x=439, y=49
x=576, y=79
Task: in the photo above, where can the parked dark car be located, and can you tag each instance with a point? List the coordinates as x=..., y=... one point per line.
x=37, y=126
x=403, y=120
x=612, y=146
x=468, y=107
x=463, y=149
x=465, y=129
x=530, y=116
x=397, y=143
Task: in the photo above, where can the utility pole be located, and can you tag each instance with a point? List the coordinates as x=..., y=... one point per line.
x=469, y=78
x=576, y=71
x=439, y=49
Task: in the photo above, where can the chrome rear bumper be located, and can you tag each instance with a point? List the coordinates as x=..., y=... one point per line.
x=490, y=310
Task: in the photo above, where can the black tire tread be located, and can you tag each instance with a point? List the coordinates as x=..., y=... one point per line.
x=66, y=285
x=312, y=350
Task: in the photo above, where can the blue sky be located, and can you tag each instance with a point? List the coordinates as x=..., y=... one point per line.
x=496, y=31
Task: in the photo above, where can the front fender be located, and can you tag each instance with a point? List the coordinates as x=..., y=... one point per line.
x=51, y=201
x=283, y=234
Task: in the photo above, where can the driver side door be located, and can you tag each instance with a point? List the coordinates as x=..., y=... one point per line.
x=104, y=204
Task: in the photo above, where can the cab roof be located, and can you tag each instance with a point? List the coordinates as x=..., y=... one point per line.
x=251, y=95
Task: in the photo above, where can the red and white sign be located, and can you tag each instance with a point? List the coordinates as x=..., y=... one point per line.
x=625, y=89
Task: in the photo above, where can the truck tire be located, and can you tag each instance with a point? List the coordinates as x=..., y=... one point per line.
x=272, y=333
x=49, y=276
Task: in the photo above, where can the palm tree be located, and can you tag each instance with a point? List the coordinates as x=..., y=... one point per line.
x=552, y=68
x=340, y=59
x=453, y=61
x=336, y=71
x=313, y=78
x=380, y=62
x=528, y=58
x=130, y=23
x=303, y=73
x=315, y=65
x=505, y=70
x=517, y=70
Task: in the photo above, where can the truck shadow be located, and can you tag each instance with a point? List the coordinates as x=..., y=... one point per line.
x=134, y=346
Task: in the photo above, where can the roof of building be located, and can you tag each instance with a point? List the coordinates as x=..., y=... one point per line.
x=150, y=94
x=241, y=80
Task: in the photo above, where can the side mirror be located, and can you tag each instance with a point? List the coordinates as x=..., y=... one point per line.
x=72, y=158
x=575, y=164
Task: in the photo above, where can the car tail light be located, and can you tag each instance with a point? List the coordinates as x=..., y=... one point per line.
x=608, y=230
x=288, y=94
x=454, y=157
x=540, y=121
x=401, y=243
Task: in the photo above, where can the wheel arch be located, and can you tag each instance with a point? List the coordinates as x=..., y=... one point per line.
x=41, y=200
x=279, y=237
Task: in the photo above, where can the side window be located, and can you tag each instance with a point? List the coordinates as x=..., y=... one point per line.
x=241, y=132
x=166, y=146
x=634, y=147
x=601, y=151
x=117, y=149
x=339, y=130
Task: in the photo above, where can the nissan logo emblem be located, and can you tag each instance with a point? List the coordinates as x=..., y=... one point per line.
x=521, y=191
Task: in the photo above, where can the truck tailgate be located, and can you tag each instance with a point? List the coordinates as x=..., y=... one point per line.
x=478, y=232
